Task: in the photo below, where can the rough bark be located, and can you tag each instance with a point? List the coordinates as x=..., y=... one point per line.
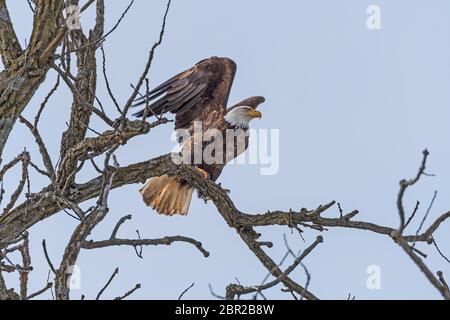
x=25, y=71
x=85, y=86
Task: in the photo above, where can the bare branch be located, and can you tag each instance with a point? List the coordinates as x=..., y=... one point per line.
x=149, y=63
x=43, y=290
x=233, y=289
x=5, y=293
x=439, y=251
x=26, y=267
x=416, y=208
x=144, y=242
x=42, y=148
x=108, y=86
x=47, y=257
x=185, y=291
x=46, y=99
x=10, y=48
x=442, y=280
x=129, y=293
x=114, y=274
x=118, y=225
x=404, y=184
x=422, y=266
x=25, y=158
x=426, y=215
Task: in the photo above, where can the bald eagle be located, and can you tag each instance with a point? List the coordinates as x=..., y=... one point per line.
x=197, y=95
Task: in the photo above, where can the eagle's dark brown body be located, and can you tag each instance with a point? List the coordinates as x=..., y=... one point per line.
x=196, y=96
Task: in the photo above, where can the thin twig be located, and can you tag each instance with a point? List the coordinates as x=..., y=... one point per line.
x=149, y=63
x=129, y=293
x=426, y=215
x=404, y=184
x=185, y=291
x=116, y=271
x=47, y=257
x=43, y=290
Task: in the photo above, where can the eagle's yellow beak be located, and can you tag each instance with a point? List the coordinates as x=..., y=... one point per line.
x=254, y=114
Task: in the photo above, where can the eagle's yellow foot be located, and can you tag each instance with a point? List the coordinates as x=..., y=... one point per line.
x=206, y=175
x=202, y=172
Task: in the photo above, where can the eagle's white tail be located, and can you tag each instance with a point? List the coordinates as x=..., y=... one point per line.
x=167, y=195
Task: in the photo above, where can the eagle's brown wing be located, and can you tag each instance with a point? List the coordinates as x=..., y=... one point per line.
x=193, y=95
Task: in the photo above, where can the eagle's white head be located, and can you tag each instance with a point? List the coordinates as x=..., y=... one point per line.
x=240, y=117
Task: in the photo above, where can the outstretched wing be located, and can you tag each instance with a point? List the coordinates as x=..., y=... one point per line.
x=192, y=95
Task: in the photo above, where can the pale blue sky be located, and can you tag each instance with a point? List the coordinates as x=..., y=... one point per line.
x=355, y=109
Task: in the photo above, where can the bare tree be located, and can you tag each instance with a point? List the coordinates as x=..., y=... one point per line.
x=52, y=47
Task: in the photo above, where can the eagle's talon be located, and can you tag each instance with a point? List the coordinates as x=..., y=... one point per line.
x=203, y=197
x=227, y=191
